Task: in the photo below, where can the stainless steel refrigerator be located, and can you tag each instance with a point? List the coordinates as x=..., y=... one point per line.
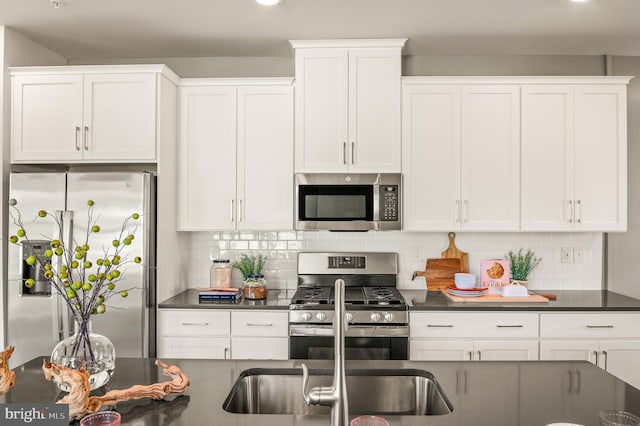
x=37, y=319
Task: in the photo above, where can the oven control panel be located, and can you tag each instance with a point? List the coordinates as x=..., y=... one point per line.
x=347, y=262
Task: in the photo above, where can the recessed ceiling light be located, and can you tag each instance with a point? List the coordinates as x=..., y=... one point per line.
x=579, y=1
x=268, y=2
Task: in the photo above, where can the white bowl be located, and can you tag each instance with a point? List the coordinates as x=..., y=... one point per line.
x=465, y=280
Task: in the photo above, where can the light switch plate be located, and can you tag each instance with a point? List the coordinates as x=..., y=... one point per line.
x=566, y=255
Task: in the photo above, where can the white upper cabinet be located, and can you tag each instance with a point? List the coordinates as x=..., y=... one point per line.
x=236, y=154
x=574, y=153
x=490, y=198
x=87, y=113
x=347, y=105
x=460, y=155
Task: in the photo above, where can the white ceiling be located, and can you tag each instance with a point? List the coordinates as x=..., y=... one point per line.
x=84, y=29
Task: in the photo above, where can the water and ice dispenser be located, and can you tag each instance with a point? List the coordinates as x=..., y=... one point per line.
x=42, y=286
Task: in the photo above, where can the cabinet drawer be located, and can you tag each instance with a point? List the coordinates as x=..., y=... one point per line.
x=423, y=324
x=259, y=324
x=260, y=348
x=589, y=325
x=200, y=322
x=194, y=347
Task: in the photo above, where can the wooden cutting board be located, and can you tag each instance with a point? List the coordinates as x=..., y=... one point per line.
x=452, y=252
x=439, y=273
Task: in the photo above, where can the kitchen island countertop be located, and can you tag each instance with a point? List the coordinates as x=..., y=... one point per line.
x=482, y=393
x=421, y=300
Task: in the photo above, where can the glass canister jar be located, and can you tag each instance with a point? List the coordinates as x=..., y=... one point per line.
x=255, y=287
x=220, y=273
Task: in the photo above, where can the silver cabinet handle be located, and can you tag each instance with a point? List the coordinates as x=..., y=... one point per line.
x=579, y=207
x=226, y=353
x=255, y=324
x=86, y=138
x=457, y=211
x=240, y=214
x=595, y=353
x=599, y=326
x=77, y=137
x=199, y=324
x=231, y=210
x=439, y=325
x=353, y=153
x=605, y=355
x=571, y=211
x=470, y=359
x=344, y=153
x=466, y=211
x=457, y=381
x=479, y=355
x=510, y=326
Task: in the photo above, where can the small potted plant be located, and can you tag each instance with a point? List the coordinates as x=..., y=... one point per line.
x=255, y=286
x=522, y=264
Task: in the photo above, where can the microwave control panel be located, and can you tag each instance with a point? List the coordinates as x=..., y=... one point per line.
x=389, y=201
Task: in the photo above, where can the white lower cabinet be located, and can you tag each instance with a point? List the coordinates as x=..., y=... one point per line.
x=468, y=336
x=222, y=334
x=609, y=340
x=194, y=333
x=259, y=335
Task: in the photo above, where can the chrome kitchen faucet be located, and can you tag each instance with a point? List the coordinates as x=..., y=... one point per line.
x=336, y=394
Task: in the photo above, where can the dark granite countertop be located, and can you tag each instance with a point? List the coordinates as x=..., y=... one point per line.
x=421, y=300
x=188, y=299
x=482, y=393
x=567, y=300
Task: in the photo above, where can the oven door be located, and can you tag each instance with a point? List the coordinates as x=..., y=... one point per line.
x=361, y=342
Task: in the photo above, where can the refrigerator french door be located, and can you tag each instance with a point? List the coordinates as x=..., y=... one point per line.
x=37, y=319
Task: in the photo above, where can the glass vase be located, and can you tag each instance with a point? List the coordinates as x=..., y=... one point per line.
x=95, y=350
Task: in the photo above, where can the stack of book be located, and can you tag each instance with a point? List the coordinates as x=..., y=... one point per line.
x=219, y=295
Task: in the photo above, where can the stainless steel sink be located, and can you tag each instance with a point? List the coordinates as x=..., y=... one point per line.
x=404, y=392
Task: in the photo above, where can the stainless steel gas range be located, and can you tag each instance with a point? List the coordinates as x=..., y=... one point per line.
x=376, y=312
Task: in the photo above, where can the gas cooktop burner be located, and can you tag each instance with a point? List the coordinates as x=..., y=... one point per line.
x=382, y=296
x=312, y=296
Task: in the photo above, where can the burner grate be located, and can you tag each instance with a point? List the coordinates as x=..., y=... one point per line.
x=382, y=296
x=312, y=295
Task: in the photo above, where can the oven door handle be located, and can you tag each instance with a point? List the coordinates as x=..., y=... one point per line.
x=352, y=331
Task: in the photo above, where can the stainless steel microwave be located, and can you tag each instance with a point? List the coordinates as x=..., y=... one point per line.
x=348, y=201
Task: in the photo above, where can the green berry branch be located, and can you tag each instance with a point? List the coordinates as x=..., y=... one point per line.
x=86, y=281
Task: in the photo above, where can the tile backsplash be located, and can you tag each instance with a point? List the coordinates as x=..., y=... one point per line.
x=413, y=249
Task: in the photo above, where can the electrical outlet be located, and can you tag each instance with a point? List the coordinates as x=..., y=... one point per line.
x=578, y=255
x=566, y=255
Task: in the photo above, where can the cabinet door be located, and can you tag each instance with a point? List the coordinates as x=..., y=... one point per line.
x=46, y=124
x=431, y=157
x=621, y=358
x=265, y=157
x=321, y=110
x=482, y=404
x=490, y=158
x=564, y=350
x=207, y=158
x=505, y=350
x=119, y=117
x=547, y=158
x=440, y=350
x=260, y=347
x=601, y=158
x=194, y=347
x=374, y=110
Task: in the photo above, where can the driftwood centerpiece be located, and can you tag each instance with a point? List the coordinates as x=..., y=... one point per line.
x=81, y=403
x=7, y=377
